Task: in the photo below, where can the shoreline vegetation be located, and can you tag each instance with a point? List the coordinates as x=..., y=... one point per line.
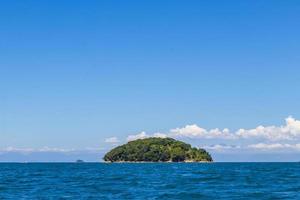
x=149, y=162
x=157, y=150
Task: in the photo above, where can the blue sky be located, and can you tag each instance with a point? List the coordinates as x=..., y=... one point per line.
x=75, y=74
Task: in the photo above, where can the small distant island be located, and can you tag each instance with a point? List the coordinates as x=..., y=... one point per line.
x=157, y=150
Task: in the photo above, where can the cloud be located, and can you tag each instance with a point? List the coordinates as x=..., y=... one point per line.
x=258, y=146
x=290, y=131
x=27, y=151
x=141, y=135
x=112, y=140
x=274, y=146
x=61, y=150
x=194, y=131
x=220, y=147
x=14, y=149
x=284, y=137
x=32, y=150
x=160, y=135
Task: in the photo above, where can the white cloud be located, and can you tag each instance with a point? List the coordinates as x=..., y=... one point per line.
x=269, y=133
x=141, y=135
x=60, y=150
x=14, y=149
x=28, y=151
x=194, y=131
x=32, y=150
x=159, y=135
x=258, y=146
x=285, y=137
x=274, y=146
x=290, y=131
x=189, y=131
x=112, y=140
x=222, y=147
x=293, y=126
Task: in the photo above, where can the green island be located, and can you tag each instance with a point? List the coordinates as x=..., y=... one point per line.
x=157, y=150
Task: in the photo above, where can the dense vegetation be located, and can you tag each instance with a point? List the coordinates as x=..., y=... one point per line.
x=157, y=150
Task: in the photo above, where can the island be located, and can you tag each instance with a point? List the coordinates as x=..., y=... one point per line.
x=157, y=150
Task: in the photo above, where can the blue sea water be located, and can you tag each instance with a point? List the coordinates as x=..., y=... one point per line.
x=150, y=181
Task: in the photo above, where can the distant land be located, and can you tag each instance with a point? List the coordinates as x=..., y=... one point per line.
x=157, y=150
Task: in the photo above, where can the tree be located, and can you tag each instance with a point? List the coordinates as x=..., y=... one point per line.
x=156, y=150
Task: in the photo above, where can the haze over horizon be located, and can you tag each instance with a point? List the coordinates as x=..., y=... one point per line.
x=78, y=78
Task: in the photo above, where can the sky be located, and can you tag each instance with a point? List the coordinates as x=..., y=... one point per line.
x=78, y=78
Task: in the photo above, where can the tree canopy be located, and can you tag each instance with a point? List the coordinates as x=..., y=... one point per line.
x=157, y=150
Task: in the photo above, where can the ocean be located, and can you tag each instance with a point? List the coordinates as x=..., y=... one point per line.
x=150, y=181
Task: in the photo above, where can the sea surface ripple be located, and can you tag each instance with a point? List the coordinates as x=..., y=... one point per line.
x=150, y=181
